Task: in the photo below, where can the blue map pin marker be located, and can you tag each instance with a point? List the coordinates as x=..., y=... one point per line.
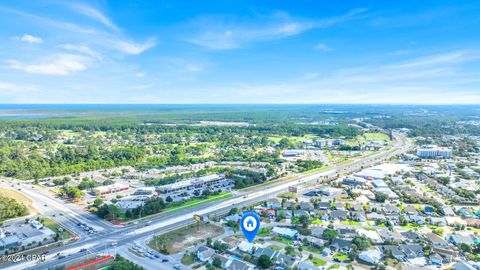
x=250, y=223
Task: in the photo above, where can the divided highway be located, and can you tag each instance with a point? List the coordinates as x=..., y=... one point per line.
x=113, y=237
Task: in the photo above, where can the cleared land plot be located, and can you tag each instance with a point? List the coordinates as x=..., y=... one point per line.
x=55, y=227
x=178, y=240
x=19, y=197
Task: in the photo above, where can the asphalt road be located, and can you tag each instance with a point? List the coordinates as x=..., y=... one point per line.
x=122, y=236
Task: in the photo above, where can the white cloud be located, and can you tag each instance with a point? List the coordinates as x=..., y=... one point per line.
x=82, y=48
x=94, y=14
x=132, y=47
x=30, y=39
x=222, y=33
x=10, y=87
x=59, y=64
x=105, y=39
x=323, y=47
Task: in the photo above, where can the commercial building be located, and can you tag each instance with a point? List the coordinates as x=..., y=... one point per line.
x=103, y=190
x=145, y=191
x=433, y=151
x=194, y=183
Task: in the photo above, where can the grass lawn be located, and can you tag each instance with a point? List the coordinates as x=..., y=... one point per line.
x=288, y=195
x=313, y=249
x=198, y=201
x=284, y=240
x=264, y=232
x=294, y=139
x=182, y=238
x=376, y=136
x=316, y=221
x=324, y=167
x=318, y=262
x=55, y=227
x=333, y=266
x=411, y=226
x=184, y=205
x=350, y=222
x=340, y=257
x=275, y=247
x=188, y=259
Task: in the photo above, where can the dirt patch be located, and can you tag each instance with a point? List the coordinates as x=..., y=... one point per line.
x=180, y=239
x=19, y=197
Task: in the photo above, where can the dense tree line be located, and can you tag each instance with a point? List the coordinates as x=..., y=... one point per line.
x=10, y=208
x=121, y=263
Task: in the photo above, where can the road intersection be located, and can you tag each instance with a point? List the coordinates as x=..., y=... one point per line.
x=110, y=238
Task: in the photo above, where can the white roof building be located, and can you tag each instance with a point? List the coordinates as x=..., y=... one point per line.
x=372, y=256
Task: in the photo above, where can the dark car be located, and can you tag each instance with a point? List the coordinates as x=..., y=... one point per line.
x=164, y=260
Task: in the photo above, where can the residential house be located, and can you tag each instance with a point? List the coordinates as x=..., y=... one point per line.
x=372, y=256
x=447, y=254
x=346, y=233
x=240, y=265
x=411, y=236
x=374, y=236
x=306, y=265
x=340, y=245
x=466, y=212
x=412, y=251
x=339, y=206
x=464, y=266
x=306, y=206
x=285, y=261
x=324, y=205
x=438, y=221
x=436, y=240
x=473, y=222
x=300, y=213
x=289, y=205
x=390, y=236
x=285, y=232
x=358, y=216
x=318, y=232
x=357, y=207
x=447, y=211
x=223, y=259
x=458, y=239
x=376, y=217
x=205, y=253
x=435, y=259
x=313, y=241
x=274, y=203
x=410, y=210
x=338, y=215
x=417, y=219
x=394, y=251
x=265, y=251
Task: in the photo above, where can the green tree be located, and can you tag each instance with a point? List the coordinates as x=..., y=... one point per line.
x=217, y=262
x=330, y=234
x=381, y=197
x=264, y=262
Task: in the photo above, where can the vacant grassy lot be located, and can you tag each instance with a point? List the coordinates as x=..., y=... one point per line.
x=180, y=239
x=19, y=197
x=377, y=136
x=196, y=202
x=55, y=227
x=340, y=257
x=318, y=262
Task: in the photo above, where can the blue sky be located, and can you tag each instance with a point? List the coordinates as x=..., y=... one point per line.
x=425, y=52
